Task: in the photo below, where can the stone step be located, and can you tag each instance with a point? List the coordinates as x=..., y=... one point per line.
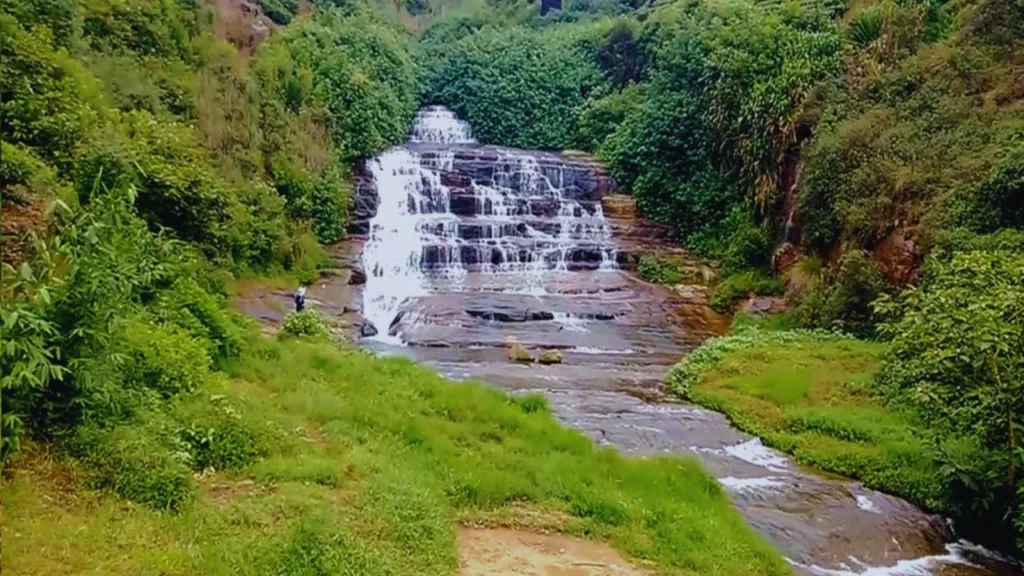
x=475, y=202
x=511, y=250
x=493, y=227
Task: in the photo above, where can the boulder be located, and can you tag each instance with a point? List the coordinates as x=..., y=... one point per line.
x=519, y=354
x=550, y=357
x=764, y=305
x=897, y=257
x=357, y=277
x=367, y=330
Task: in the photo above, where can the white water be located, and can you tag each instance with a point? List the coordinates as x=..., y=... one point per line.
x=751, y=484
x=924, y=566
x=865, y=503
x=439, y=124
x=414, y=224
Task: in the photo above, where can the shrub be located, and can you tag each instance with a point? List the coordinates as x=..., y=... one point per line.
x=653, y=269
x=519, y=354
x=532, y=403
x=843, y=300
x=163, y=358
x=305, y=324
x=133, y=462
x=743, y=284
x=217, y=436
x=736, y=241
x=550, y=357
x=956, y=359
x=203, y=316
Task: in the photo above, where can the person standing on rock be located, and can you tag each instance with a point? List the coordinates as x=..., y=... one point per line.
x=300, y=299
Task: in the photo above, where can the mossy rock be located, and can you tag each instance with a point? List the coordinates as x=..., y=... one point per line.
x=519, y=354
x=551, y=357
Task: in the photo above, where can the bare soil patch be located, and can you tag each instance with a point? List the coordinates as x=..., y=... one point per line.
x=506, y=552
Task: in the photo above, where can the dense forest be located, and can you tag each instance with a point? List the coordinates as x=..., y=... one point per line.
x=863, y=158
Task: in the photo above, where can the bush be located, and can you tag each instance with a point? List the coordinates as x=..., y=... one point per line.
x=217, y=436
x=843, y=300
x=161, y=358
x=133, y=462
x=736, y=242
x=743, y=284
x=956, y=359
x=519, y=354
x=653, y=269
x=305, y=324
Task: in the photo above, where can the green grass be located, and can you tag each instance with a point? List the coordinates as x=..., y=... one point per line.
x=810, y=395
x=367, y=466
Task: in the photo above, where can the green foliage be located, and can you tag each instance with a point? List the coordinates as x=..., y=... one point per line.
x=957, y=359
x=922, y=131
x=355, y=71
x=692, y=369
x=736, y=242
x=132, y=462
x=517, y=86
x=653, y=269
x=741, y=285
x=842, y=301
x=305, y=324
x=217, y=436
x=276, y=11
x=49, y=101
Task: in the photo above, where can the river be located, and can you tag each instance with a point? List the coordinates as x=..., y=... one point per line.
x=468, y=249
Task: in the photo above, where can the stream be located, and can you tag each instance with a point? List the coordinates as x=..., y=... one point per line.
x=468, y=249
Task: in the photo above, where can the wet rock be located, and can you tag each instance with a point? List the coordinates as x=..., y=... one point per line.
x=897, y=257
x=764, y=305
x=512, y=315
x=357, y=277
x=455, y=180
x=619, y=206
x=367, y=330
x=396, y=323
x=785, y=258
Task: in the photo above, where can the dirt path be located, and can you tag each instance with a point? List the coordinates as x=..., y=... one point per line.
x=505, y=552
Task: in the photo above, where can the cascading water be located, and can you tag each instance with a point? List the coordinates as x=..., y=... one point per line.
x=515, y=217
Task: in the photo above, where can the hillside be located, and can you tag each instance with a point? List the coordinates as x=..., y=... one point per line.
x=858, y=164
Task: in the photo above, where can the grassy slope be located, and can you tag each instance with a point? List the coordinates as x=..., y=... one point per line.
x=370, y=465
x=811, y=397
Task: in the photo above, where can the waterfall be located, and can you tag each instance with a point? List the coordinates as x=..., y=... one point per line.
x=449, y=208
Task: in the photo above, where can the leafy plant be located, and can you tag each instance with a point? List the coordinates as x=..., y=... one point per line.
x=653, y=269
x=305, y=324
x=743, y=284
x=957, y=358
x=842, y=301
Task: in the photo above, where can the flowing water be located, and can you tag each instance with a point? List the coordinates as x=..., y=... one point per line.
x=471, y=248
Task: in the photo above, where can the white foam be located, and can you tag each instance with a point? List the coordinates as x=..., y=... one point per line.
x=570, y=322
x=865, y=503
x=751, y=484
x=758, y=454
x=440, y=125
x=923, y=566
x=592, y=350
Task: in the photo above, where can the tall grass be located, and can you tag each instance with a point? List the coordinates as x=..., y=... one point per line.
x=366, y=466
